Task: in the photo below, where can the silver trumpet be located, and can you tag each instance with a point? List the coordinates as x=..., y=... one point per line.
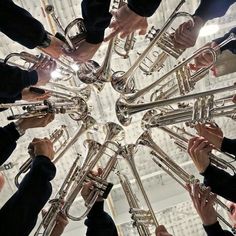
x=181, y=138
x=49, y=219
x=76, y=108
x=203, y=109
x=58, y=138
x=182, y=177
x=142, y=218
x=77, y=25
x=122, y=82
x=87, y=123
x=34, y=62
x=101, y=186
x=185, y=80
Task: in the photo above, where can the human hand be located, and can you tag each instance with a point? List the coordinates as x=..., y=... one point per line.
x=84, y=52
x=2, y=181
x=234, y=99
x=55, y=49
x=187, y=33
x=205, y=59
x=41, y=147
x=30, y=96
x=35, y=122
x=232, y=213
x=211, y=132
x=125, y=22
x=203, y=202
x=87, y=188
x=44, y=71
x=199, y=149
x=161, y=231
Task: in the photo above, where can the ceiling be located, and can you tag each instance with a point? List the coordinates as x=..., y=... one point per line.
x=170, y=202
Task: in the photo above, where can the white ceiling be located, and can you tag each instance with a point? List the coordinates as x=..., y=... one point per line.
x=169, y=200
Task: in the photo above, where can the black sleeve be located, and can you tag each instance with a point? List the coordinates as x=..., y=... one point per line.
x=8, y=137
x=96, y=18
x=231, y=45
x=216, y=230
x=221, y=182
x=100, y=223
x=144, y=7
x=20, y=26
x=19, y=215
x=210, y=9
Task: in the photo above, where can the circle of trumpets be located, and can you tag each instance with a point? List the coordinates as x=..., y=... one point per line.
x=122, y=85
x=147, y=119
x=88, y=75
x=82, y=110
x=122, y=112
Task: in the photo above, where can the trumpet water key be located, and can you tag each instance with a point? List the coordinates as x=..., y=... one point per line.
x=58, y=138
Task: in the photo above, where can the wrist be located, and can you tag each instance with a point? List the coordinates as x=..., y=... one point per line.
x=19, y=126
x=46, y=41
x=198, y=21
x=218, y=142
x=209, y=222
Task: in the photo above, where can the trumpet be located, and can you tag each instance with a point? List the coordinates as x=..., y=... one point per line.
x=49, y=220
x=76, y=108
x=87, y=123
x=58, y=138
x=185, y=79
x=205, y=112
x=181, y=137
x=182, y=177
x=142, y=218
x=122, y=81
x=72, y=40
x=34, y=62
x=101, y=186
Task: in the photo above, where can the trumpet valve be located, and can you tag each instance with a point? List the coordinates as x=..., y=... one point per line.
x=49, y=9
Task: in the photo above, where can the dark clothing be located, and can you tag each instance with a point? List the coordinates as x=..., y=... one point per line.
x=19, y=215
x=221, y=182
x=210, y=9
x=231, y=45
x=100, y=223
x=8, y=137
x=216, y=230
x=20, y=26
x=229, y=145
x=13, y=81
x=97, y=17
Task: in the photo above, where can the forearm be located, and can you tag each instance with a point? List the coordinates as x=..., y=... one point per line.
x=215, y=230
x=14, y=80
x=144, y=8
x=96, y=18
x=221, y=183
x=210, y=9
x=230, y=45
x=8, y=138
x=20, y=26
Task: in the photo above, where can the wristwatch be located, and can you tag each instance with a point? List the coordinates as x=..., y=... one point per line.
x=46, y=41
x=18, y=128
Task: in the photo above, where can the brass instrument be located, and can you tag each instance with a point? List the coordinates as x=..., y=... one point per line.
x=201, y=112
x=34, y=62
x=143, y=215
x=101, y=186
x=185, y=79
x=142, y=218
x=72, y=40
x=49, y=219
x=181, y=137
x=76, y=108
x=182, y=177
x=87, y=123
x=90, y=72
x=122, y=81
x=58, y=138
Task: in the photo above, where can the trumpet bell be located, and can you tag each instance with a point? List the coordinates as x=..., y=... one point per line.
x=146, y=120
x=114, y=131
x=122, y=113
